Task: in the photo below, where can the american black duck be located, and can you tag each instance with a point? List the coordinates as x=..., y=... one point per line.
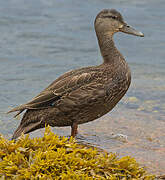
x=85, y=94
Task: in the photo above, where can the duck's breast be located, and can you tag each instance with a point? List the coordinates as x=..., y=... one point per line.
x=117, y=84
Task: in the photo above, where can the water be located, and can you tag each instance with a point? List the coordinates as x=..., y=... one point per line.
x=42, y=39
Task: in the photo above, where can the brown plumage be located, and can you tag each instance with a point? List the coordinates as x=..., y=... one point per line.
x=85, y=94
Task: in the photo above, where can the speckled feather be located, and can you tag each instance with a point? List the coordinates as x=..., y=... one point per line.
x=85, y=94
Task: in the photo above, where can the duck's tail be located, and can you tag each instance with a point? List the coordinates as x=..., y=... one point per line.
x=25, y=129
x=28, y=123
x=20, y=108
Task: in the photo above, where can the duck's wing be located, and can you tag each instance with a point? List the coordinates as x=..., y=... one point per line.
x=43, y=100
x=83, y=97
x=65, y=84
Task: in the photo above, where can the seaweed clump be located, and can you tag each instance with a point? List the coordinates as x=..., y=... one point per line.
x=51, y=157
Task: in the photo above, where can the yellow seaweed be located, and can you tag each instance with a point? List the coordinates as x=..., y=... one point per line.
x=51, y=157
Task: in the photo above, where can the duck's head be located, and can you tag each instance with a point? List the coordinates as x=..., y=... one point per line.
x=111, y=21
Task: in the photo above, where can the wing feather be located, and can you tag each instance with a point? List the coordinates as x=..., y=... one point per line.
x=71, y=81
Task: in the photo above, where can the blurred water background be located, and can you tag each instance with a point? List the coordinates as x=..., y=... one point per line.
x=42, y=39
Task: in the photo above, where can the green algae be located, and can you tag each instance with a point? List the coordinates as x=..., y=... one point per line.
x=51, y=157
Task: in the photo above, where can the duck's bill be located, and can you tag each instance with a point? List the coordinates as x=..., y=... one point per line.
x=129, y=30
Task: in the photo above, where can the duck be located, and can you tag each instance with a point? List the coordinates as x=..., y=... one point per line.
x=86, y=94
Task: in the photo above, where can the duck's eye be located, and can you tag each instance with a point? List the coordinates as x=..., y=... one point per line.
x=113, y=17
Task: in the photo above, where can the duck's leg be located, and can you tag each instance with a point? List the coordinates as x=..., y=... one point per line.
x=74, y=130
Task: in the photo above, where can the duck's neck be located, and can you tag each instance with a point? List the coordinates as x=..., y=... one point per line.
x=107, y=47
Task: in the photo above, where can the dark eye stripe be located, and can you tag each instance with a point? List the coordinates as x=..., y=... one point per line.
x=113, y=17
